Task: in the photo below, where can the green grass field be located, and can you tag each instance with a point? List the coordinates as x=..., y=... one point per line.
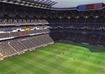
x=59, y=58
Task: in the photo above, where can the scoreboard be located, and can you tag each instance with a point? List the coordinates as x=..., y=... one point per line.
x=95, y=6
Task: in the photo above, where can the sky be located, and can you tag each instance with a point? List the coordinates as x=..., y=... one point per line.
x=74, y=3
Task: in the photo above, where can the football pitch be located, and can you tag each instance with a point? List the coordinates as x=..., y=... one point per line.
x=59, y=58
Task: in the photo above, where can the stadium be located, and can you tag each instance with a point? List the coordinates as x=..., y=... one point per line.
x=38, y=38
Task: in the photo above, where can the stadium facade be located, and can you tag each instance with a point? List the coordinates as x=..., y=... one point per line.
x=27, y=25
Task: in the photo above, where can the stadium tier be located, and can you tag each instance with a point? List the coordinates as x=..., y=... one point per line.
x=18, y=46
x=17, y=22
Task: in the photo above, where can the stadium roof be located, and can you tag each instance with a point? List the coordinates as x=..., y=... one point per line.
x=45, y=4
x=74, y=3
